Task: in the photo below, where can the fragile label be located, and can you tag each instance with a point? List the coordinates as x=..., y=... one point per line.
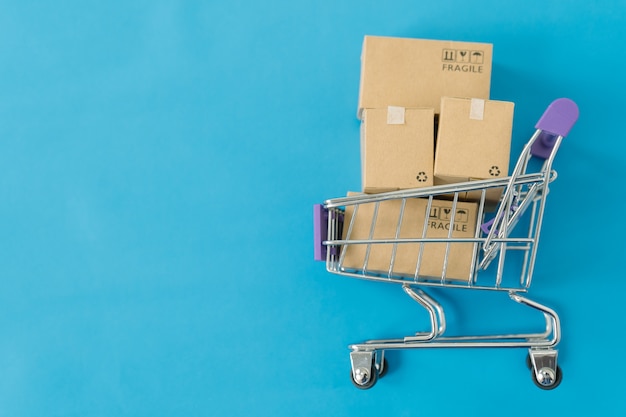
x=439, y=218
x=462, y=60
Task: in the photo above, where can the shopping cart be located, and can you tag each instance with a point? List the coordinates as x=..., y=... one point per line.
x=508, y=234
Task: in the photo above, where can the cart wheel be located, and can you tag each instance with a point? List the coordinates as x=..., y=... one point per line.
x=557, y=378
x=551, y=381
x=369, y=380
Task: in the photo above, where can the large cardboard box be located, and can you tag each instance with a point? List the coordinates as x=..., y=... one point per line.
x=473, y=142
x=407, y=254
x=397, y=149
x=417, y=73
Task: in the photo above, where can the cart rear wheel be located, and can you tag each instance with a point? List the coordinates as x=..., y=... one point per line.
x=545, y=385
x=550, y=379
x=364, y=378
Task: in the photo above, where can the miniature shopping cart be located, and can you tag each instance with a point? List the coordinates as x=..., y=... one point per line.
x=502, y=239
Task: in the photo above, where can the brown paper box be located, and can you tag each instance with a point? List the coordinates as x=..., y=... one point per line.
x=406, y=257
x=417, y=73
x=473, y=143
x=397, y=152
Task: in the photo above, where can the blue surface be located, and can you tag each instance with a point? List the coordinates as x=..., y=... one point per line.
x=159, y=165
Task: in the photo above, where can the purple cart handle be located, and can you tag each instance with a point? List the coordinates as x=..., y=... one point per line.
x=320, y=231
x=557, y=120
x=559, y=117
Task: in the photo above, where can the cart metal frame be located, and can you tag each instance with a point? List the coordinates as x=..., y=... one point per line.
x=522, y=202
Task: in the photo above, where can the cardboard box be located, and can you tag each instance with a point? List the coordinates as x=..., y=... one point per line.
x=473, y=142
x=406, y=254
x=397, y=149
x=417, y=73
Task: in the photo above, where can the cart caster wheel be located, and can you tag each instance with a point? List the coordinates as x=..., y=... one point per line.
x=364, y=379
x=550, y=379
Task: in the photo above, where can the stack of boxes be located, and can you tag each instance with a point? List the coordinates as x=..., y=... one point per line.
x=426, y=119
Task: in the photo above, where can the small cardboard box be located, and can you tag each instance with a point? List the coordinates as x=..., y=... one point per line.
x=407, y=254
x=397, y=149
x=473, y=142
x=417, y=73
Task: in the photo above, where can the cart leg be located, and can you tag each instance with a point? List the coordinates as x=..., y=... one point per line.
x=552, y=334
x=544, y=369
x=435, y=311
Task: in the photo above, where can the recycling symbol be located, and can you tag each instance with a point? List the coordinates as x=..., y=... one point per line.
x=494, y=171
x=421, y=176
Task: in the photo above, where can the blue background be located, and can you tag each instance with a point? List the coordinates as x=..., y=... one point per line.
x=158, y=164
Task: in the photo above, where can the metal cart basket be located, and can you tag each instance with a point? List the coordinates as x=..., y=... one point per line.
x=491, y=240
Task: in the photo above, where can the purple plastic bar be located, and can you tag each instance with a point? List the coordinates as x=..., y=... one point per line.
x=542, y=146
x=557, y=120
x=320, y=231
x=486, y=227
